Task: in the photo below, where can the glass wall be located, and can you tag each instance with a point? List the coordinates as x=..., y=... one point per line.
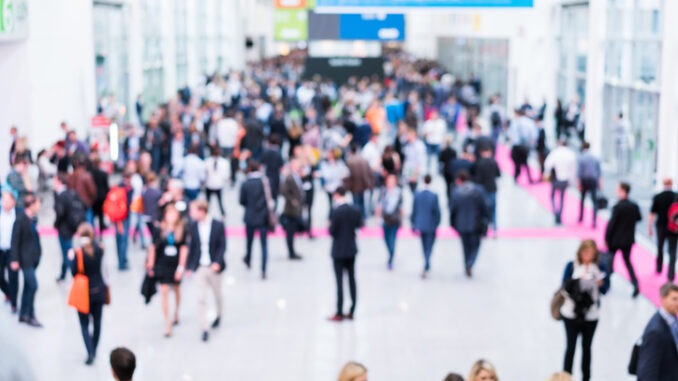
x=110, y=49
x=573, y=43
x=181, y=42
x=153, y=75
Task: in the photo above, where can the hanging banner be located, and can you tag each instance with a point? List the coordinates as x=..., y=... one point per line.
x=291, y=25
x=348, y=5
x=372, y=27
x=13, y=20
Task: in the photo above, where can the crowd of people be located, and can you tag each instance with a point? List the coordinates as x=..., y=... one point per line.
x=364, y=144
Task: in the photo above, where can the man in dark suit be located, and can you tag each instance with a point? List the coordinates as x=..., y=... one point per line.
x=469, y=214
x=425, y=219
x=25, y=255
x=206, y=259
x=658, y=354
x=344, y=221
x=621, y=230
x=659, y=212
x=293, y=192
x=101, y=181
x=64, y=220
x=273, y=162
x=253, y=198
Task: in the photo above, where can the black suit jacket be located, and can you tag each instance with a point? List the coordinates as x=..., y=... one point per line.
x=26, y=247
x=101, y=181
x=658, y=356
x=62, y=207
x=344, y=221
x=252, y=197
x=217, y=246
x=273, y=161
x=621, y=229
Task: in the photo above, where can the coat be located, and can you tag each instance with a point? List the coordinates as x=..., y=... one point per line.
x=468, y=209
x=425, y=216
x=360, y=177
x=217, y=246
x=658, y=355
x=253, y=198
x=621, y=228
x=83, y=184
x=344, y=221
x=294, y=197
x=26, y=248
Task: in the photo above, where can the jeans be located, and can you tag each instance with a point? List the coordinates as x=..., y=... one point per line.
x=432, y=153
x=348, y=266
x=191, y=194
x=91, y=340
x=139, y=227
x=66, y=244
x=8, y=284
x=559, y=186
x=390, y=232
x=121, y=239
x=292, y=225
x=215, y=192
x=89, y=216
x=427, y=241
x=573, y=329
x=28, y=295
x=588, y=186
x=663, y=235
x=471, y=244
x=250, y=229
x=626, y=254
x=359, y=202
x=491, y=202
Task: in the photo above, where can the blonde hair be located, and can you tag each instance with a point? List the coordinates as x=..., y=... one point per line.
x=479, y=366
x=351, y=371
x=586, y=245
x=561, y=376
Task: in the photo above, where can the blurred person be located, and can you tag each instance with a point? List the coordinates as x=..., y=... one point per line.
x=658, y=352
x=167, y=261
x=469, y=215
x=253, y=199
x=359, y=180
x=434, y=130
x=193, y=174
x=541, y=148
x=660, y=217
x=453, y=377
x=118, y=200
x=177, y=151
x=308, y=173
x=522, y=134
x=150, y=197
x=123, y=363
x=414, y=162
x=273, y=163
x=9, y=278
x=445, y=158
x=561, y=166
x=293, y=192
x=425, y=219
x=100, y=178
x=390, y=210
x=497, y=117
x=74, y=145
x=217, y=172
x=353, y=371
x=136, y=207
x=463, y=162
x=333, y=172
x=69, y=213
x=19, y=181
x=590, y=175
x=372, y=154
x=485, y=173
x=483, y=370
x=82, y=182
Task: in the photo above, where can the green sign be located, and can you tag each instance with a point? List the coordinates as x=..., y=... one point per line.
x=7, y=16
x=13, y=19
x=291, y=25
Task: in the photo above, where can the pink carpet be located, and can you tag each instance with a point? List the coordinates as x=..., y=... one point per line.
x=643, y=259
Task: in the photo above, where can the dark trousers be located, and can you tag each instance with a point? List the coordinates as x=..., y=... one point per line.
x=359, y=202
x=9, y=279
x=293, y=224
x=66, y=244
x=215, y=192
x=561, y=187
x=626, y=254
x=99, y=215
x=427, y=241
x=589, y=186
x=121, y=240
x=663, y=236
x=91, y=339
x=390, y=233
x=471, y=244
x=519, y=155
x=28, y=293
x=192, y=194
x=250, y=229
x=348, y=266
x=573, y=329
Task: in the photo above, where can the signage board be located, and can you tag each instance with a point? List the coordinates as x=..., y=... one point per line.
x=340, y=69
x=341, y=5
x=13, y=20
x=374, y=27
x=291, y=25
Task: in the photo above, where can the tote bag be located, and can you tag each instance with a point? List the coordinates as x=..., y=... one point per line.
x=78, y=297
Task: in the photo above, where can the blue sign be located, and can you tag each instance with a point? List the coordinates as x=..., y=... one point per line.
x=389, y=27
x=320, y=4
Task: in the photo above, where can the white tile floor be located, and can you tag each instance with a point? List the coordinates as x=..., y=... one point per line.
x=405, y=328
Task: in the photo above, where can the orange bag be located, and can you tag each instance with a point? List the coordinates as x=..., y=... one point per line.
x=137, y=205
x=78, y=297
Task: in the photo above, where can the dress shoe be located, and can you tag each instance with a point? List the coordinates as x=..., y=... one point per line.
x=348, y=317
x=336, y=318
x=246, y=262
x=60, y=279
x=216, y=322
x=90, y=360
x=34, y=323
x=469, y=273
x=205, y=336
x=263, y=276
x=295, y=257
x=23, y=319
x=636, y=292
x=389, y=266
x=424, y=274
x=14, y=309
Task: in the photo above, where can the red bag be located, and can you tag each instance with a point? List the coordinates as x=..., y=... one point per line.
x=78, y=297
x=115, y=205
x=672, y=225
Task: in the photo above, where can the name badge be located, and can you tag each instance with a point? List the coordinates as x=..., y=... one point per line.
x=170, y=251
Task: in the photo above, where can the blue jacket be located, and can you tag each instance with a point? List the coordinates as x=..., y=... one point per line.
x=425, y=212
x=468, y=210
x=658, y=355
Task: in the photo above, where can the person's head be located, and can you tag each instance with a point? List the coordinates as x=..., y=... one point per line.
x=482, y=370
x=668, y=183
x=8, y=200
x=32, y=204
x=411, y=135
x=176, y=188
x=353, y=371
x=339, y=194
x=427, y=180
x=123, y=363
x=587, y=252
x=623, y=190
x=561, y=376
x=72, y=137
x=585, y=146
x=354, y=148
x=434, y=114
x=152, y=179
x=13, y=131
x=462, y=177
x=215, y=151
x=391, y=181
x=253, y=166
x=59, y=182
x=21, y=165
x=294, y=165
x=171, y=216
x=274, y=139
x=198, y=210
x=562, y=142
x=453, y=377
x=84, y=237
x=669, y=295
x=127, y=177
x=486, y=153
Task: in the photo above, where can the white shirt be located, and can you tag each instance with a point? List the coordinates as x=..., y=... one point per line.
x=194, y=172
x=205, y=230
x=6, y=227
x=217, y=174
x=227, y=132
x=370, y=152
x=564, y=161
x=434, y=131
x=415, y=160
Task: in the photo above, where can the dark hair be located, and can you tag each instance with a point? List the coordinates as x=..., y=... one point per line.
x=668, y=288
x=215, y=151
x=274, y=139
x=62, y=177
x=453, y=377
x=354, y=148
x=123, y=363
x=626, y=187
x=463, y=176
x=427, y=179
x=29, y=199
x=341, y=191
x=585, y=146
x=253, y=166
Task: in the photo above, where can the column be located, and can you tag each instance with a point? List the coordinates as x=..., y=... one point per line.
x=595, y=75
x=193, y=76
x=135, y=54
x=169, y=54
x=667, y=134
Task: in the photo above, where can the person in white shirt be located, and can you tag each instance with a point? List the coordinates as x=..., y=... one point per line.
x=414, y=164
x=177, y=152
x=332, y=172
x=217, y=171
x=561, y=166
x=193, y=174
x=434, y=135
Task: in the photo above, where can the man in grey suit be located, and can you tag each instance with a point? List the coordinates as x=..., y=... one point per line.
x=293, y=193
x=469, y=216
x=425, y=219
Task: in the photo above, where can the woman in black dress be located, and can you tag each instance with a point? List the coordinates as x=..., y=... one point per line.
x=92, y=256
x=167, y=260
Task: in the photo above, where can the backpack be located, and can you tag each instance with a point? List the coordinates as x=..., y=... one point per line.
x=495, y=119
x=115, y=205
x=672, y=224
x=77, y=212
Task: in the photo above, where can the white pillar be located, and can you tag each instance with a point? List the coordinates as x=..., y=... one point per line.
x=169, y=58
x=193, y=68
x=135, y=53
x=595, y=75
x=667, y=134
x=211, y=24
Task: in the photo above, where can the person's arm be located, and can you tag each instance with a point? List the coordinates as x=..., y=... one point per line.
x=649, y=359
x=183, y=255
x=150, y=263
x=650, y=222
x=605, y=285
x=436, y=210
x=243, y=195
x=221, y=249
x=414, y=211
x=15, y=250
x=567, y=274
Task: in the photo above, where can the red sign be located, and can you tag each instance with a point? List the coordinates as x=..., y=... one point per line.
x=100, y=121
x=290, y=4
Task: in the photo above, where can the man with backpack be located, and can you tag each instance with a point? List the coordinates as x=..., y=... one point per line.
x=70, y=213
x=664, y=212
x=116, y=208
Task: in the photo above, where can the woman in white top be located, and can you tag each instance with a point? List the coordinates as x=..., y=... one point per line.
x=332, y=173
x=584, y=281
x=217, y=170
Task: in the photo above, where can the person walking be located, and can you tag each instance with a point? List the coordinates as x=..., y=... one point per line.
x=19, y=180
x=561, y=166
x=344, y=222
x=522, y=133
x=253, y=198
x=69, y=214
x=590, y=176
x=25, y=254
x=333, y=172
x=273, y=162
x=391, y=210
x=193, y=174
x=425, y=219
x=100, y=178
x=486, y=172
x=167, y=261
x=87, y=258
x=82, y=182
x=469, y=214
x=415, y=156
x=9, y=279
x=150, y=197
x=434, y=130
x=217, y=172
x=659, y=215
x=360, y=179
x=620, y=234
x=293, y=193
x=658, y=352
x=584, y=281
x=206, y=258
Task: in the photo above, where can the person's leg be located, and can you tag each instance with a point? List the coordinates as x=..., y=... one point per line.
x=561, y=206
x=338, y=276
x=466, y=248
x=516, y=162
x=329, y=198
x=28, y=295
x=359, y=202
x=389, y=238
x=553, y=200
x=290, y=231
x=221, y=202
x=125, y=242
x=66, y=244
x=263, y=236
x=571, y=333
x=594, y=200
x=474, y=248
x=13, y=287
x=626, y=252
x=4, y=263
x=350, y=267
x=86, y=337
x=202, y=282
x=164, y=296
x=426, y=248
x=177, y=302
x=673, y=246
x=96, y=310
x=582, y=197
x=662, y=233
x=215, y=284
x=491, y=200
x=249, y=231
x=588, y=329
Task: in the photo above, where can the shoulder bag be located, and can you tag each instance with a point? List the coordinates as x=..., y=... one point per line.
x=272, y=217
x=78, y=297
x=557, y=303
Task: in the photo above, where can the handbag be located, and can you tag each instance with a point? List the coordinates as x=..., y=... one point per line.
x=601, y=202
x=107, y=301
x=557, y=303
x=633, y=362
x=272, y=217
x=78, y=296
